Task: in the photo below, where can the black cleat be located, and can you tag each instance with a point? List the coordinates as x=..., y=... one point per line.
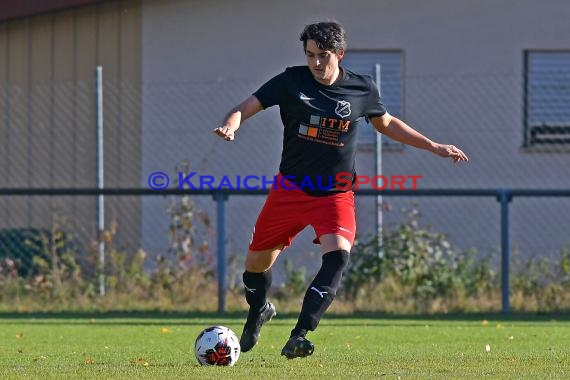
x=298, y=347
x=253, y=325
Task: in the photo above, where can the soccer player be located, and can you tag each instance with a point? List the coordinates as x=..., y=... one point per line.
x=322, y=105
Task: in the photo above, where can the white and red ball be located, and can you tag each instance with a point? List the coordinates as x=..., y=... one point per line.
x=217, y=345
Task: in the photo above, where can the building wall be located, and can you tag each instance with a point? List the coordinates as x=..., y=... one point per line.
x=463, y=85
x=48, y=115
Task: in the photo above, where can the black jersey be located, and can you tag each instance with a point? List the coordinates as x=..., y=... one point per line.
x=321, y=124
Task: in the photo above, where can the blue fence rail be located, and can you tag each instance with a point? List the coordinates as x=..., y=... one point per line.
x=503, y=196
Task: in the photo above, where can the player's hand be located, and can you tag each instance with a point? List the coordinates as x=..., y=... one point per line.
x=225, y=132
x=452, y=151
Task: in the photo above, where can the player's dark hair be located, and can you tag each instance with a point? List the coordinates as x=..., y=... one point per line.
x=327, y=35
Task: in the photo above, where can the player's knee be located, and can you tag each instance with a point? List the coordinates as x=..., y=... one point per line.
x=256, y=265
x=337, y=259
x=256, y=268
x=258, y=262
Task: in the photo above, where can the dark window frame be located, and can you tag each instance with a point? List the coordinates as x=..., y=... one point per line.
x=387, y=144
x=545, y=135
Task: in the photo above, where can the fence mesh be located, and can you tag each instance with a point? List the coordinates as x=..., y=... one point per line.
x=48, y=140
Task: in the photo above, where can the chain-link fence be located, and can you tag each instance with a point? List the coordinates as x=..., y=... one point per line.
x=48, y=140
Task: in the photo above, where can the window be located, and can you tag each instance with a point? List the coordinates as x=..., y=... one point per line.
x=385, y=67
x=547, y=98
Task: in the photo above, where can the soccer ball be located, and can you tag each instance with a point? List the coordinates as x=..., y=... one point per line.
x=217, y=345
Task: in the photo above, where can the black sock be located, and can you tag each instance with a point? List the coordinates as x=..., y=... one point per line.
x=256, y=287
x=321, y=292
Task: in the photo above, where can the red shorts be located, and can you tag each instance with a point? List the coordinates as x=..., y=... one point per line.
x=286, y=212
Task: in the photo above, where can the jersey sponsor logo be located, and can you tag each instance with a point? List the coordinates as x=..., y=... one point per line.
x=342, y=108
x=335, y=124
x=324, y=130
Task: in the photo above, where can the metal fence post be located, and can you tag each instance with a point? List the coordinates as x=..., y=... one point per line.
x=504, y=197
x=220, y=197
x=100, y=179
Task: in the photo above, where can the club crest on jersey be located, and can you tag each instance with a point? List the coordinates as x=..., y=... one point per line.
x=342, y=108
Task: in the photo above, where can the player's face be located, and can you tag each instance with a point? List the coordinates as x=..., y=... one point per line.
x=323, y=63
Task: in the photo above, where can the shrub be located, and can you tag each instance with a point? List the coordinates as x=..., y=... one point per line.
x=411, y=269
x=411, y=261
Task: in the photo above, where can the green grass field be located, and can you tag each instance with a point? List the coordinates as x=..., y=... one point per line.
x=161, y=347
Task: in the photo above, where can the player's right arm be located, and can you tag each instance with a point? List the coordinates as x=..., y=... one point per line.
x=238, y=115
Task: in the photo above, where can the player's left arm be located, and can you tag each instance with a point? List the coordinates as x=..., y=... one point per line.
x=396, y=129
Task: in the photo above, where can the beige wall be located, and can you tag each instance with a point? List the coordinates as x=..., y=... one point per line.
x=47, y=112
x=463, y=83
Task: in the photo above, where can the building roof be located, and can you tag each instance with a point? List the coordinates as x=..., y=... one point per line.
x=12, y=9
